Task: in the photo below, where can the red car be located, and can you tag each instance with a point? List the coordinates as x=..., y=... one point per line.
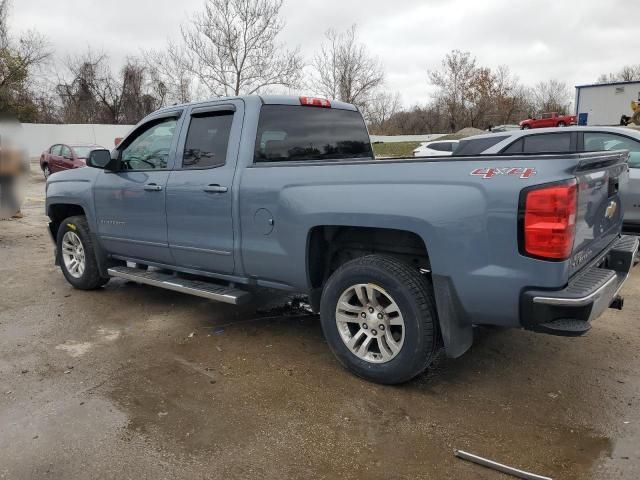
x=552, y=119
x=64, y=157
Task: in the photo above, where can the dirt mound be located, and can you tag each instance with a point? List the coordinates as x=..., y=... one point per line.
x=469, y=132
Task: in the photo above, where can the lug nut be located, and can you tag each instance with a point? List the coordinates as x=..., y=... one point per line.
x=379, y=316
x=370, y=310
x=381, y=327
x=363, y=315
x=365, y=326
x=374, y=332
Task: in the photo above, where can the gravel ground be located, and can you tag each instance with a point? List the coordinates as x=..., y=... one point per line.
x=136, y=382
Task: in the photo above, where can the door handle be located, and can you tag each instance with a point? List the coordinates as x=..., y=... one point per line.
x=215, y=189
x=152, y=187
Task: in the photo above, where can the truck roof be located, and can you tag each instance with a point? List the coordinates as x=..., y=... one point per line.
x=265, y=99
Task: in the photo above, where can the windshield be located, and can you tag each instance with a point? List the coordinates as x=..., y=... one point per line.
x=83, y=152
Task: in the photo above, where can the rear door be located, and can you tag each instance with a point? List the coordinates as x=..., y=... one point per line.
x=66, y=158
x=54, y=158
x=200, y=189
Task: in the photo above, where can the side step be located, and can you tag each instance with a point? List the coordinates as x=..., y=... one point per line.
x=212, y=291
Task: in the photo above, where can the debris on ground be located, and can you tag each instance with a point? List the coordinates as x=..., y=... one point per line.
x=485, y=462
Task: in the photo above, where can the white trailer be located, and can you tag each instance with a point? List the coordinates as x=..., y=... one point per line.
x=605, y=103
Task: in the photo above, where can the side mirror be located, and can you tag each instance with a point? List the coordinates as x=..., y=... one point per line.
x=101, y=158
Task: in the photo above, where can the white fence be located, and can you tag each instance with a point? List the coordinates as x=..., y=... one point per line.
x=37, y=137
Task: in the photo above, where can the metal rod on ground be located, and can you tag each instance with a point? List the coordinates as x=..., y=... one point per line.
x=498, y=466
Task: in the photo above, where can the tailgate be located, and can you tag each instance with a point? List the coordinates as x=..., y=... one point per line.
x=631, y=201
x=599, y=213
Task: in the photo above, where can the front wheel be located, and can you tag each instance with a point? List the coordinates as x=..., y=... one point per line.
x=526, y=127
x=379, y=318
x=561, y=124
x=77, y=256
x=46, y=171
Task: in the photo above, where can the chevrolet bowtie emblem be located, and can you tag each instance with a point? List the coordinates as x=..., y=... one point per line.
x=611, y=209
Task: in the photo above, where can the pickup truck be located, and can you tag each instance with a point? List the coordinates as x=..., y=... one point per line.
x=552, y=119
x=400, y=257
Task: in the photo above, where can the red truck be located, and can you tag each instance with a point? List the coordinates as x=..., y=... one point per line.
x=552, y=119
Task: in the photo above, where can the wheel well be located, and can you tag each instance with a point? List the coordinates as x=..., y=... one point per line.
x=331, y=246
x=58, y=212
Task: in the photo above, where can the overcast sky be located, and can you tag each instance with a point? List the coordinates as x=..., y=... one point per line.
x=574, y=41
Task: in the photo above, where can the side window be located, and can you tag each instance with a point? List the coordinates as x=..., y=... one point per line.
x=302, y=133
x=207, y=140
x=600, y=141
x=55, y=150
x=547, y=143
x=66, y=152
x=515, y=147
x=149, y=150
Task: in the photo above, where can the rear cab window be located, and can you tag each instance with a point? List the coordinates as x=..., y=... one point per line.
x=291, y=133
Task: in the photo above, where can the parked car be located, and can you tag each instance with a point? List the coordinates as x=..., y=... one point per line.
x=399, y=256
x=437, y=148
x=571, y=140
x=552, y=119
x=61, y=157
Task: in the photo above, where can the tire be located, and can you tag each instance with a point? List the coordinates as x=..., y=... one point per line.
x=74, y=237
x=413, y=350
x=561, y=124
x=526, y=127
x=45, y=171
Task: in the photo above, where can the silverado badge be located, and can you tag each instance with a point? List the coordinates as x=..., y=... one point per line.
x=611, y=209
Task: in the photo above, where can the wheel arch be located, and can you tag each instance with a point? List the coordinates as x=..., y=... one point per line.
x=329, y=246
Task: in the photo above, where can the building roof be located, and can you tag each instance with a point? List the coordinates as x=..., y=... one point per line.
x=607, y=84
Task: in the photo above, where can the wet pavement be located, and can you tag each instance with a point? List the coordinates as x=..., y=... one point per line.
x=136, y=382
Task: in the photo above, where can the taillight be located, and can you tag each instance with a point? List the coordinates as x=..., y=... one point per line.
x=549, y=221
x=315, y=102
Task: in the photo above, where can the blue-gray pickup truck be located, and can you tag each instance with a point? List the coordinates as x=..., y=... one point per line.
x=400, y=257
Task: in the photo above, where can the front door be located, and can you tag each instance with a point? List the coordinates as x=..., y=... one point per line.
x=200, y=189
x=66, y=158
x=131, y=202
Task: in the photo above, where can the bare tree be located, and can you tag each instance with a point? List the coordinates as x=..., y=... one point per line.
x=92, y=93
x=170, y=74
x=628, y=73
x=454, y=80
x=344, y=69
x=233, y=49
x=19, y=61
x=380, y=108
x=551, y=96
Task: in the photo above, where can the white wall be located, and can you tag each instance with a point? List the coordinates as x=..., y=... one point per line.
x=37, y=137
x=604, y=105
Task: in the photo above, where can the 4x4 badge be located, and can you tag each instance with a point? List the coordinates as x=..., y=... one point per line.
x=521, y=172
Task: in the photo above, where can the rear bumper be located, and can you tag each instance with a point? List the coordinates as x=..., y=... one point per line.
x=570, y=311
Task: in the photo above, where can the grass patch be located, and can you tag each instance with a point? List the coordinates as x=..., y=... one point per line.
x=395, y=149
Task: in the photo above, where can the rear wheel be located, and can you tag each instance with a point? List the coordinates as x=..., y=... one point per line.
x=562, y=124
x=77, y=256
x=379, y=319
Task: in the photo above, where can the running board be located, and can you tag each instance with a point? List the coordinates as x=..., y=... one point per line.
x=212, y=291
